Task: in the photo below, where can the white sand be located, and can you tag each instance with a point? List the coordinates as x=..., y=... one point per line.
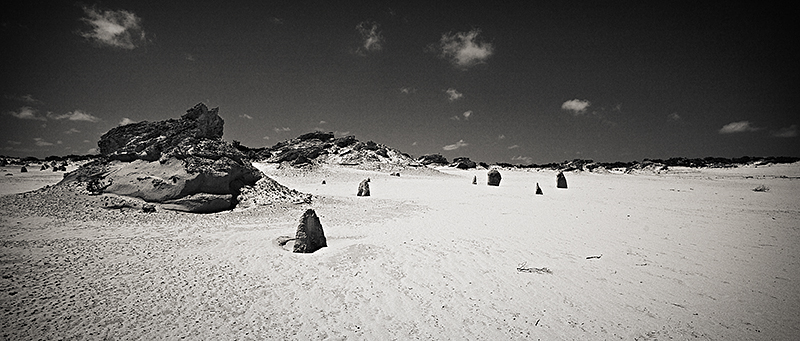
x=690, y=254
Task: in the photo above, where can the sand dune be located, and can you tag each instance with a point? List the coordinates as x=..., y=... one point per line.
x=682, y=255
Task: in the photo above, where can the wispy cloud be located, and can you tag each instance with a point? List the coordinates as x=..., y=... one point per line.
x=790, y=131
x=125, y=121
x=576, y=106
x=408, y=90
x=513, y=147
x=16, y=143
x=467, y=114
x=76, y=115
x=27, y=113
x=265, y=137
x=24, y=98
x=501, y=136
x=119, y=29
x=738, y=127
x=72, y=131
x=456, y=145
x=674, y=117
x=280, y=130
x=276, y=21
x=41, y=142
x=246, y=116
x=371, y=38
x=464, y=49
x=453, y=94
x=525, y=160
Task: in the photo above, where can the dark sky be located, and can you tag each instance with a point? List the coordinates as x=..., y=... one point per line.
x=515, y=82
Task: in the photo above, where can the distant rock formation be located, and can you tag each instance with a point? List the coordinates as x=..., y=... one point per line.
x=538, y=189
x=363, y=188
x=463, y=163
x=323, y=148
x=23, y=169
x=182, y=163
x=310, y=237
x=474, y=179
x=494, y=177
x=561, y=180
x=433, y=159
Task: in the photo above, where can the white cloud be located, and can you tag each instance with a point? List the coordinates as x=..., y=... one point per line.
x=453, y=94
x=372, y=38
x=14, y=142
x=323, y=122
x=674, y=117
x=246, y=116
x=737, y=127
x=76, y=115
x=27, y=113
x=455, y=118
x=408, y=90
x=576, y=106
x=790, y=131
x=279, y=130
x=93, y=151
x=467, y=114
x=464, y=49
x=526, y=160
x=456, y=145
x=121, y=29
x=501, y=136
x=265, y=137
x=126, y=121
x=513, y=147
x=72, y=131
x=41, y=142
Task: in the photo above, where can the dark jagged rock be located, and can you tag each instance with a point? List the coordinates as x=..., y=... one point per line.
x=474, y=179
x=538, y=189
x=23, y=169
x=149, y=208
x=148, y=140
x=561, y=180
x=310, y=237
x=434, y=159
x=494, y=177
x=363, y=188
x=463, y=163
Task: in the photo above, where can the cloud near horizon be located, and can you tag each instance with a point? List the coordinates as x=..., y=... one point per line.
x=76, y=115
x=119, y=29
x=464, y=49
x=526, y=160
x=576, y=106
x=126, y=121
x=27, y=113
x=456, y=145
x=737, y=127
x=41, y=142
x=790, y=131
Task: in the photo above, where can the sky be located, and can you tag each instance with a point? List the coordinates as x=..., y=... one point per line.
x=518, y=82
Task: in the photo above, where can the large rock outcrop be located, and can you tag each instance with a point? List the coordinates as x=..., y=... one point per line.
x=433, y=159
x=182, y=163
x=463, y=163
x=561, y=180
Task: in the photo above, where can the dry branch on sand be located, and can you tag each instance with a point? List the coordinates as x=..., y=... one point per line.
x=522, y=268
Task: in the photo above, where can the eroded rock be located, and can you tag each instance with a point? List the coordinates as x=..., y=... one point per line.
x=310, y=237
x=494, y=177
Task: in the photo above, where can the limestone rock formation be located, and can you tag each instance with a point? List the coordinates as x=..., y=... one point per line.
x=23, y=169
x=463, y=163
x=494, y=177
x=561, y=180
x=183, y=163
x=363, y=188
x=538, y=189
x=310, y=237
x=433, y=159
x=474, y=179
x=323, y=148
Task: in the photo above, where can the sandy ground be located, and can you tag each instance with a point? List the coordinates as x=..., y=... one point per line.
x=693, y=254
